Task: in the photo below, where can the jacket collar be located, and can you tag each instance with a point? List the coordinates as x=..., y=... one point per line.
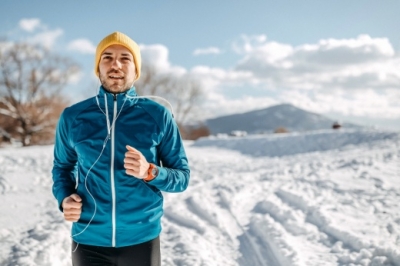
x=123, y=98
x=130, y=92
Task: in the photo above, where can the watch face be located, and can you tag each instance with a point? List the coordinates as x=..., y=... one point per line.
x=154, y=171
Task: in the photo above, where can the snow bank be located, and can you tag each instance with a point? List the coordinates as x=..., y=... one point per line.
x=295, y=143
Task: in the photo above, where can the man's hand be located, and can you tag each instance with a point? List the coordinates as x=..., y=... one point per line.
x=135, y=163
x=72, y=208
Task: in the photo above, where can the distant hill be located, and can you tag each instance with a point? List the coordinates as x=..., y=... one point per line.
x=269, y=119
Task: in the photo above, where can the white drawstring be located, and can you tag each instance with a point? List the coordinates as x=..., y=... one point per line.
x=155, y=97
x=108, y=120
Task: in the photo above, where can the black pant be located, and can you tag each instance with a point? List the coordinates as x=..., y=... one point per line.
x=144, y=254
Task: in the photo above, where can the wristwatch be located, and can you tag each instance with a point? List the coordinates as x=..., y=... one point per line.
x=152, y=172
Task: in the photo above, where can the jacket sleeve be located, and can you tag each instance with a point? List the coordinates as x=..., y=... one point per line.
x=64, y=165
x=174, y=174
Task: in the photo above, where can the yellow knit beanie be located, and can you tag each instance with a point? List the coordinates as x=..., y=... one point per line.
x=121, y=39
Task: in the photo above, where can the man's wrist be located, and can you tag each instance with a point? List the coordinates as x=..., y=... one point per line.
x=152, y=172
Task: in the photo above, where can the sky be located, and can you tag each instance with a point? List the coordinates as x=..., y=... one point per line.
x=298, y=199
x=340, y=59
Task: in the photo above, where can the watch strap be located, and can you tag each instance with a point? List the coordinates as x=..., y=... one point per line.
x=150, y=175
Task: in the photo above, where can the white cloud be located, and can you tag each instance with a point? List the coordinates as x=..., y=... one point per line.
x=332, y=54
x=206, y=51
x=355, y=77
x=46, y=38
x=76, y=78
x=157, y=54
x=221, y=75
x=29, y=25
x=83, y=46
x=359, y=63
x=5, y=45
x=245, y=44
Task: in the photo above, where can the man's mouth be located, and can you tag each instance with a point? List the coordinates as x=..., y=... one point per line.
x=115, y=77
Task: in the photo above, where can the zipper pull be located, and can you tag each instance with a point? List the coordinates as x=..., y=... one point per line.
x=115, y=97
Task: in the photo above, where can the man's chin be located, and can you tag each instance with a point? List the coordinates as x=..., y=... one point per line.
x=115, y=88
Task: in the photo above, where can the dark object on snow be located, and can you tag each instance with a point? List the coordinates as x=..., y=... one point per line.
x=336, y=125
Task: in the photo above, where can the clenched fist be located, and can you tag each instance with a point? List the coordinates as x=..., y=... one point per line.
x=72, y=208
x=135, y=163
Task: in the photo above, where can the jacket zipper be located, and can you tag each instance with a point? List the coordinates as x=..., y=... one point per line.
x=112, y=170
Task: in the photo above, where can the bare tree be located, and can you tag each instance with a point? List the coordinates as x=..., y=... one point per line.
x=31, y=79
x=182, y=90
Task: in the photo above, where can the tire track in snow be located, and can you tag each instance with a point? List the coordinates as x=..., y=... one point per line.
x=284, y=225
x=322, y=222
x=312, y=173
x=252, y=253
x=205, y=226
x=183, y=220
x=248, y=242
x=255, y=250
x=4, y=186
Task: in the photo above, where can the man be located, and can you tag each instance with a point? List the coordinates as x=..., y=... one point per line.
x=114, y=153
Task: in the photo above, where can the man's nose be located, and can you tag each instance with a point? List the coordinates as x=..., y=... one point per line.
x=116, y=64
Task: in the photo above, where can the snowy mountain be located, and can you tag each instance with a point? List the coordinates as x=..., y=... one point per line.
x=327, y=197
x=267, y=120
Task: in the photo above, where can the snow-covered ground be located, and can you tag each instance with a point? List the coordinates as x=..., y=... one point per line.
x=317, y=198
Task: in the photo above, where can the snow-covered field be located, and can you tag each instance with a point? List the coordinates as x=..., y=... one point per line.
x=317, y=198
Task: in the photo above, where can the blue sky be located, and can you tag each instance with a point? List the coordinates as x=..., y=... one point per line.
x=337, y=58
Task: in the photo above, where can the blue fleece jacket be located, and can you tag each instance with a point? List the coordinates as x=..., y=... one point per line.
x=117, y=209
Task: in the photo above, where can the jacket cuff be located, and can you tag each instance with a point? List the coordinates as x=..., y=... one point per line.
x=60, y=197
x=160, y=178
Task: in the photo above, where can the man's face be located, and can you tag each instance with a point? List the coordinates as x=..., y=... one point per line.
x=117, y=69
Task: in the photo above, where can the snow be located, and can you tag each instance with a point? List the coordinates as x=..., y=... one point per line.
x=316, y=198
